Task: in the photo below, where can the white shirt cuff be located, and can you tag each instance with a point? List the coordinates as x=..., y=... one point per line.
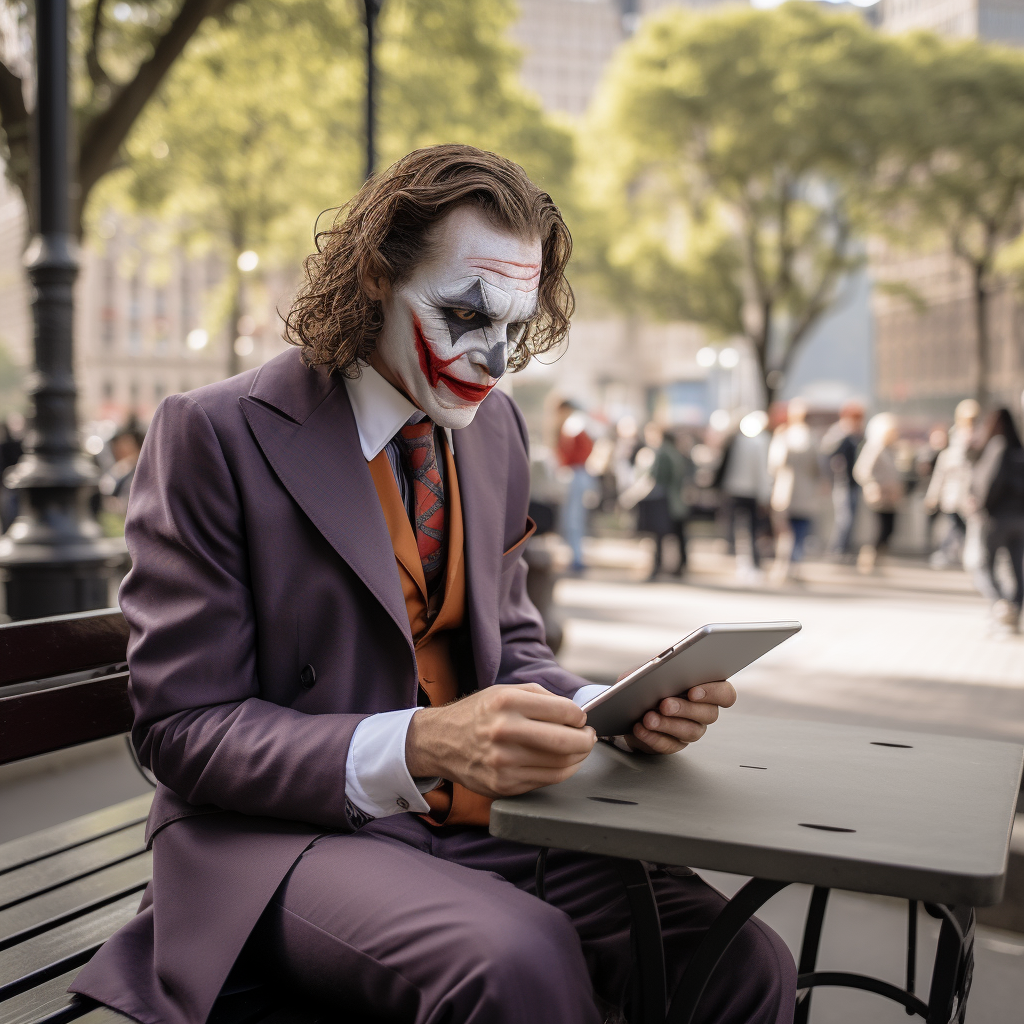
x=588, y=692
x=377, y=780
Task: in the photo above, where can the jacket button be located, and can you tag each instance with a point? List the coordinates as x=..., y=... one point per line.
x=308, y=677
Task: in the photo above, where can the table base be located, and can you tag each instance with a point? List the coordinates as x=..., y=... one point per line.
x=951, y=974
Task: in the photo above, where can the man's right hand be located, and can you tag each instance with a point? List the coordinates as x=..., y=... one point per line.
x=500, y=741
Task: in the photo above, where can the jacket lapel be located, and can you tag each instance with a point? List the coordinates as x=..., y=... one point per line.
x=303, y=422
x=478, y=449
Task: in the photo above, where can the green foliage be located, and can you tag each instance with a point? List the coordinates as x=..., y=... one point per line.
x=260, y=126
x=729, y=156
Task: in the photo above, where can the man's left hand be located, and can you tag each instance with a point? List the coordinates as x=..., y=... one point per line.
x=677, y=721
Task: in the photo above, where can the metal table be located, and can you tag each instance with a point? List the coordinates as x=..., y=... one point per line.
x=922, y=817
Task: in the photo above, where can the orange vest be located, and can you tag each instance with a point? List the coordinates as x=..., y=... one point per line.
x=451, y=804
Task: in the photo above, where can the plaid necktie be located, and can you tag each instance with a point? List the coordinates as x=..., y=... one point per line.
x=416, y=441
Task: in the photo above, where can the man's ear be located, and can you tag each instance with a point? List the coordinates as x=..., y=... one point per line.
x=377, y=288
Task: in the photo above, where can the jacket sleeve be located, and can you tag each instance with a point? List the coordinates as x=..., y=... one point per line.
x=200, y=723
x=525, y=655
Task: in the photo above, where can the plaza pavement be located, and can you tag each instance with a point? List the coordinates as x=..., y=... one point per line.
x=906, y=647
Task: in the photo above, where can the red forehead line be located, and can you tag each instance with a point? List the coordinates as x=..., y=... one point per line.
x=488, y=263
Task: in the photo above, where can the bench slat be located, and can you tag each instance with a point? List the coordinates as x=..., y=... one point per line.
x=56, y=717
x=49, y=909
x=43, y=875
x=44, y=1004
x=40, y=648
x=103, y=1015
x=26, y=849
x=62, y=947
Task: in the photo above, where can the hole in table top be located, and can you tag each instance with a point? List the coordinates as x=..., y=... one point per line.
x=825, y=828
x=902, y=746
x=611, y=800
x=758, y=767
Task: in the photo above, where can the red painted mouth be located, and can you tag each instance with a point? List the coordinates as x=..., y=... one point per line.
x=434, y=370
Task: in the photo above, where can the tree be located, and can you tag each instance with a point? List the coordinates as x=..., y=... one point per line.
x=121, y=54
x=731, y=157
x=959, y=177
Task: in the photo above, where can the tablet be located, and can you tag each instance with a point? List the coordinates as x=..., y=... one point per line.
x=710, y=654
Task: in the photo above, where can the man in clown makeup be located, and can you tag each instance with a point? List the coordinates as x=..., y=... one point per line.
x=335, y=666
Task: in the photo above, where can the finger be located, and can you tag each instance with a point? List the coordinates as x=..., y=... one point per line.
x=514, y=730
x=657, y=742
x=528, y=779
x=723, y=694
x=514, y=757
x=676, y=707
x=634, y=744
x=534, y=702
x=683, y=729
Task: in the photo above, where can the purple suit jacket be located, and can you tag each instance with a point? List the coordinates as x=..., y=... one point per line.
x=259, y=548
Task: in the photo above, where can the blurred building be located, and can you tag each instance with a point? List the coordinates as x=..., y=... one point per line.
x=999, y=21
x=146, y=325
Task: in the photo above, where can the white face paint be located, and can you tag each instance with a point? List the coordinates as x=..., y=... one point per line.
x=449, y=327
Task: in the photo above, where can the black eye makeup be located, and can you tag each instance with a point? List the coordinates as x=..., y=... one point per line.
x=461, y=321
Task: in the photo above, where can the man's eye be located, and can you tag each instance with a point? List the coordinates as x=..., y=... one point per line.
x=465, y=314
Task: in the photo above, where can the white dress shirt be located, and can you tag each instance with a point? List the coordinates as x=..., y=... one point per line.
x=377, y=781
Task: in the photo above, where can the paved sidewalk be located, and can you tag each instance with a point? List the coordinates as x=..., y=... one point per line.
x=909, y=646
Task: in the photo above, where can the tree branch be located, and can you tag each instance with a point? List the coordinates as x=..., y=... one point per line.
x=102, y=136
x=16, y=122
x=92, y=57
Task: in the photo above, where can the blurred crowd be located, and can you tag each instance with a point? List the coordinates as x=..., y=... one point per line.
x=793, y=483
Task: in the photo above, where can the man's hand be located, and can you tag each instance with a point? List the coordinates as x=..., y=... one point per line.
x=500, y=741
x=678, y=721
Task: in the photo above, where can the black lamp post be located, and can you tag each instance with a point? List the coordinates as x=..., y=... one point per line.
x=53, y=558
x=372, y=11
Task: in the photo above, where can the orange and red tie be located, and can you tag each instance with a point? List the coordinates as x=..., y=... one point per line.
x=416, y=441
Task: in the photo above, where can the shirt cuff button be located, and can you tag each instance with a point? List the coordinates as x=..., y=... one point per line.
x=403, y=803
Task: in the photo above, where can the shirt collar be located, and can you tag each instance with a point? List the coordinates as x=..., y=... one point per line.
x=380, y=409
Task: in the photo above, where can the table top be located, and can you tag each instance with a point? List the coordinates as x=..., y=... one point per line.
x=870, y=810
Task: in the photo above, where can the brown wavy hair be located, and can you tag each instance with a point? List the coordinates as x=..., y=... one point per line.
x=380, y=233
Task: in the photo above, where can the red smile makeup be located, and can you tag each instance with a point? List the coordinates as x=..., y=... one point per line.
x=434, y=370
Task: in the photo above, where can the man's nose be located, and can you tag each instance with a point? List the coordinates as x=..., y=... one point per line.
x=497, y=361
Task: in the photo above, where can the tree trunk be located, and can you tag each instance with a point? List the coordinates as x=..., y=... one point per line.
x=982, y=338
x=237, y=302
x=761, y=341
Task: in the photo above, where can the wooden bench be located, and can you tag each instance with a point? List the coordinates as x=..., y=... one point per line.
x=64, y=891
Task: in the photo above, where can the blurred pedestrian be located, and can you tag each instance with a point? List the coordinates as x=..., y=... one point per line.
x=793, y=466
x=840, y=446
x=949, y=488
x=997, y=489
x=881, y=484
x=573, y=448
x=924, y=468
x=115, y=485
x=746, y=487
x=662, y=511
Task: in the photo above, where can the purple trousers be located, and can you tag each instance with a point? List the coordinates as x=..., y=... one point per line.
x=410, y=923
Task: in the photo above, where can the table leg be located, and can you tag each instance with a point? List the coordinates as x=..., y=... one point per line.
x=648, y=948
x=954, y=964
x=911, y=950
x=726, y=926
x=809, y=949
